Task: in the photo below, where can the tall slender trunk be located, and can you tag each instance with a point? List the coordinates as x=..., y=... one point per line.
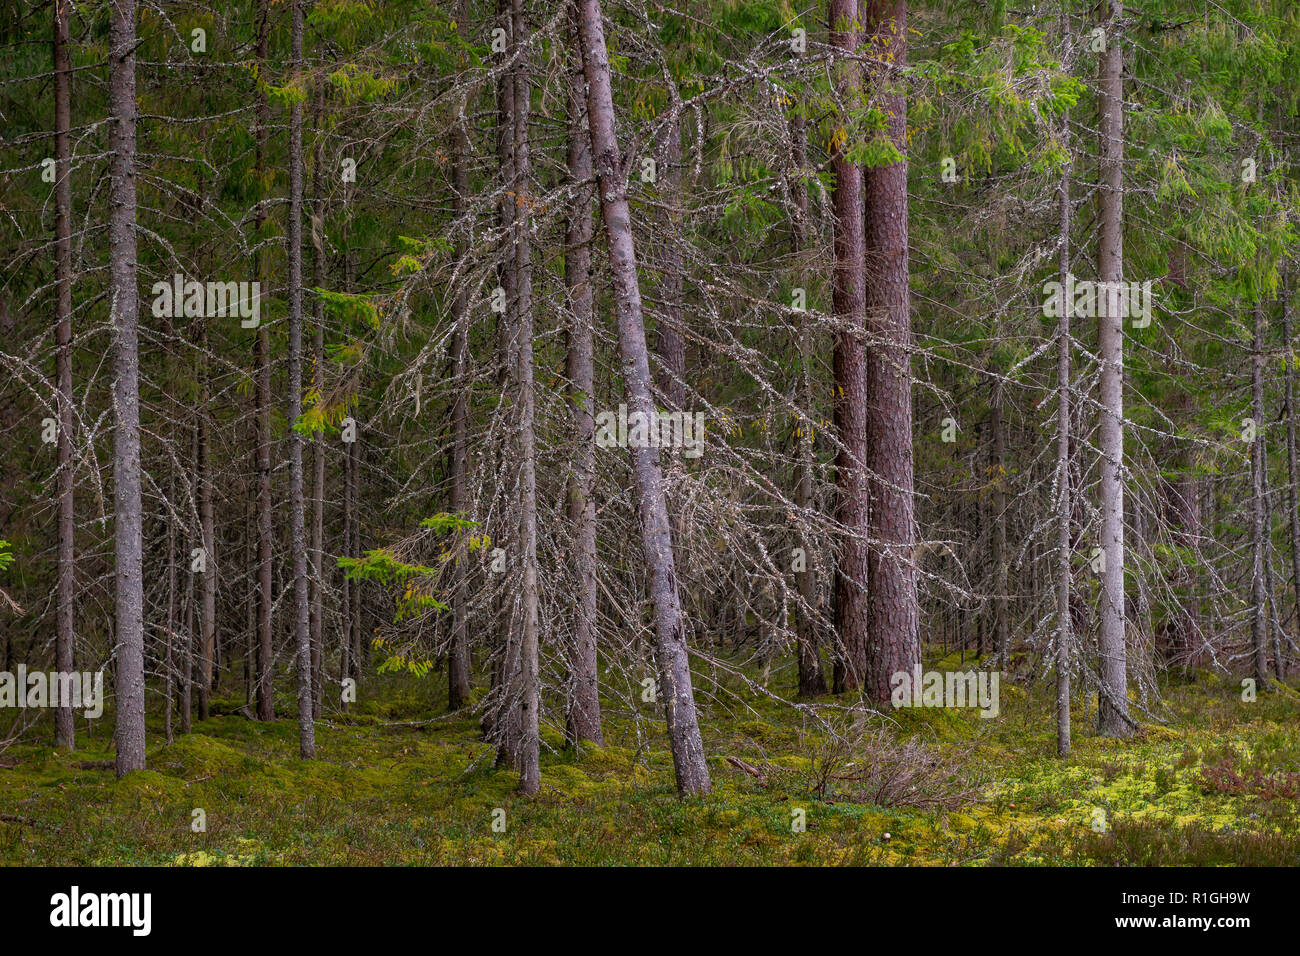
x=998, y=476
x=1064, y=509
x=1113, y=704
x=812, y=680
x=297, y=507
x=65, y=586
x=317, y=623
x=265, y=654
x=124, y=304
x=582, y=722
x=1259, y=524
x=848, y=300
x=208, y=622
x=1293, y=472
x=500, y=719
x=529, y=689
x=893, y=634
x=670, y=635
x=458, y=659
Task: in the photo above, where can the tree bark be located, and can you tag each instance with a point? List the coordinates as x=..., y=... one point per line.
x=1259, y=524
x=297, y=509
x=582, y=722
x=848, y=300
x=812, y=679
x=265, y=653
x=1064, y=508
x=65, y=633
x=458, y=661
x=1113, y=704
x=124, y=308
x=529, y=694
x=894, y=617
x=670, y=639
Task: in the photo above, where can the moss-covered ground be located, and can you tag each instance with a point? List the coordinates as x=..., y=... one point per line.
x=1216, y=781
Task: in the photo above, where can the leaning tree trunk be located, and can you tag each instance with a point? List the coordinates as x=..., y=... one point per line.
x=124, y=307
x=670, y=635
x=894, y=618
x=848, y=301
x=1113, y=702
x=65, y=634
x=297, y=507
x=582, y=722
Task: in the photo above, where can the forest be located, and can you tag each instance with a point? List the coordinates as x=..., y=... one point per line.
x=649, y=433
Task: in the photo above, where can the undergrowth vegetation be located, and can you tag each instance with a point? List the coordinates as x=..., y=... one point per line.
x=1210, y=780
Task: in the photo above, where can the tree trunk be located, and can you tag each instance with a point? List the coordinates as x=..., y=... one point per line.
x=208, y=580
x=1293, y=472
x=529, y=692
x=1113, y=703
x=998, y=476
x=894, y=618
x=670, y=639
x=124, y=308
x=812, y=680
x=1064, y=509
x=458, y=661
x=318, y=445
x=1259, y=524
x=297, y=508
x=848, y=300
x=582, y=721
x=65, y=633
x=265, y=654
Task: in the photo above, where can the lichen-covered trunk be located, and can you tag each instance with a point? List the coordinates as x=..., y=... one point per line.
x=124, y=307
x=893, y=636
x=670, y=637
x=1258, y=522
x=297, y=505
x=582, y=721
x=848, y=301
x=1113, y=705
x=1064, y=636
x=529, y=696
x=812, y=679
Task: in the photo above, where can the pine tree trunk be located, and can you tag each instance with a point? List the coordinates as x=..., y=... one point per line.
x=529, y=690
x=894, y=617
x=297, y=506
x=1113, y=703
x=65, y=633
x=1064, y=508
x=208, y=579
x=670, y=638
x=265, y=653
x=318, y=445
x=1259, y=525
x=582, y=721
x=1293, y=472
x=998, y=475
x=458, y=660
x=124, y=308
x=848, y=300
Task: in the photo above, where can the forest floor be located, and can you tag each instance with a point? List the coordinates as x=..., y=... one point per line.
x=1214, y=781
